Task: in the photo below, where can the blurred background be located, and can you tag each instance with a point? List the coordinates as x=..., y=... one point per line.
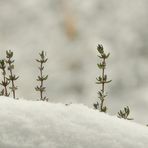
x=69, y=31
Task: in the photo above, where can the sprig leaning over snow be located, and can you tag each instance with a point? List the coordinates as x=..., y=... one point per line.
x=124, y=113
x=12, y=77
x=102, y=79
x=41, y=78
x=5, y=82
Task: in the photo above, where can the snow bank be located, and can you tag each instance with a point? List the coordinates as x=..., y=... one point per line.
x=36, y=124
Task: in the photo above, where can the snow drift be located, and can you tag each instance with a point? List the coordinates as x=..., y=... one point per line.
x=36, y=124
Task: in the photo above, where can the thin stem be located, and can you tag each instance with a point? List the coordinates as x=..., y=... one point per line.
x=41, y=73
x=103, y=85
x=12, y=81
x=5, y=81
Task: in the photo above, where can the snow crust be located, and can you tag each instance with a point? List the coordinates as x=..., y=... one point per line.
x=36, y=124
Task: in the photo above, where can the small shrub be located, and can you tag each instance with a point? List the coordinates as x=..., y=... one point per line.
x=12, y=78
x=41, y=78
x=102, y=79
x=124, y=113
x=5, y=82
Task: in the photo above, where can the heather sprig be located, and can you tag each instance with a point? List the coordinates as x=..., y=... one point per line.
x=12, y=78
x=124, y=113
x=102, y=79
x=41, y=78
x=5, y=82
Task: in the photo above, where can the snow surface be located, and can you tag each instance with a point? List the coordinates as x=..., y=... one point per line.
x=36, y=124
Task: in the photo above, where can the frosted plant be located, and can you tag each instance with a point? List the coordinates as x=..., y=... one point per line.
x=5, y=82
x=41, y=78
x=12, y=78
x=124, y=113
x=102, y=79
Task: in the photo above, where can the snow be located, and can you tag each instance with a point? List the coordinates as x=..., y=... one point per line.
x=37, y=124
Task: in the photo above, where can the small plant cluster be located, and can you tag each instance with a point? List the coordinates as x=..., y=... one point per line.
x=9, y=78
x=4, y=82
x=124, y=113
x=7, y=65
x=102, y=80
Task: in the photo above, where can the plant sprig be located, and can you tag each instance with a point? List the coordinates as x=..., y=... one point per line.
x=12, y=78
x=5, y=82
x=102, y=79
x=124, y=113
x=41, y=78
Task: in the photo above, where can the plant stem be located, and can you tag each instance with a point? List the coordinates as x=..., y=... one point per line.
x=5, y=81
x=12, y=78
x=41, y=78
x=12, y=81
x=102, y=79
x=41, y=73
x=103, y=85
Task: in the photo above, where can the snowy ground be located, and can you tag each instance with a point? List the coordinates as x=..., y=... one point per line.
x=36, y=124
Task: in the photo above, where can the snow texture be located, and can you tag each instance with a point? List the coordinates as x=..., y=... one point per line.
x=36, y=124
